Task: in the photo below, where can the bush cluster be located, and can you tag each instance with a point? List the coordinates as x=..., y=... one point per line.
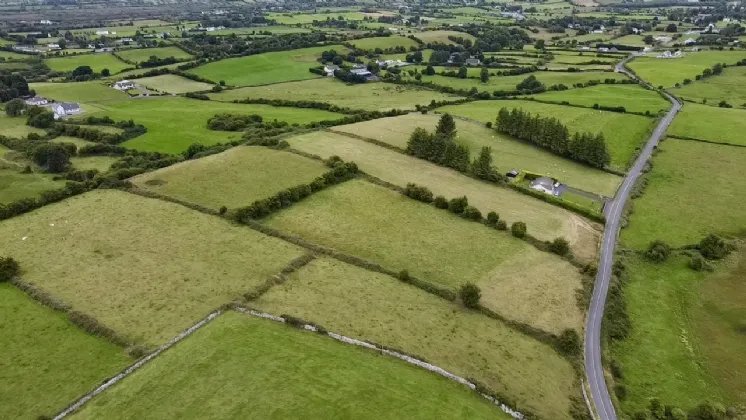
x=9, y=268
x=470, y=294
x=262, y=208
x=658, y=251
x=418, y=193
x=73, y=128
x=714, y=247
x=47, y=197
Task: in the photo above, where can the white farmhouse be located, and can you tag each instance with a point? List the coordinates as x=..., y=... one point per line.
x=123, y=85
x=64, y=109
x=546, y=185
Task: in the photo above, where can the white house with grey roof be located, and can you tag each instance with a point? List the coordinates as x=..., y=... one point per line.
x=546, y=185
x=63, y=109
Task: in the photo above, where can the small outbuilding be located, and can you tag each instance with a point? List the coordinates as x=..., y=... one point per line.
x=546, y=185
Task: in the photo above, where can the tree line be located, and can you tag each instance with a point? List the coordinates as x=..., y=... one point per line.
x=550, y=133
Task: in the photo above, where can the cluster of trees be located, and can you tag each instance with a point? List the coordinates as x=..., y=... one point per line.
x=47, y=197
x=552, y=134
x=39, y=117
x=348, y=76
x=8, y=269
x=72, y=128
x=439, y=147
x=13, y=86
x=207, y=46
x=530, y=85
x=234, y=122
x=333, y=57
x=154, y=61
x=84, y=73
x=340, y=172
x=656, y=410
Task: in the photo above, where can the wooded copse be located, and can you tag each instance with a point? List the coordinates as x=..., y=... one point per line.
x=552, y=134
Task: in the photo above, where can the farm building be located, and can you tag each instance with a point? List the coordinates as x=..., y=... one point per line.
x=64, y=109
x=545, y=185
x=36, y=101
x=123, y=85
x=329, y=69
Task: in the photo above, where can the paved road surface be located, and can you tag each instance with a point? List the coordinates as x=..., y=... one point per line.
x=613, y=212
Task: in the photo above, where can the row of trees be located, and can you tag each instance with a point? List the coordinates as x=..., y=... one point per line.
x=13, y=86
x=550, y=133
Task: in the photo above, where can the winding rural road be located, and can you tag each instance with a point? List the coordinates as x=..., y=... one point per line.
x=613, y=212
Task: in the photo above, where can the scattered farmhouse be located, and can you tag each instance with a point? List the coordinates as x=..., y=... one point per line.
x=369, y=77
x=105, y=33
x=54, y=46
x=64, y=109
x=668, y=54
x=393, y=63
x=329, y=69
x=690, y=41
x=123, y=85
x=472, y=62
x=36, y=101
x=546, y=185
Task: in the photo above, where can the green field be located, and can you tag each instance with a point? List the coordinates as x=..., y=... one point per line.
x=47, y=361
x=727, y=87
x=371, y=306
x=441, y=36
x=82, y=92
x=97, y=62
x=100, y=163
x=368, y=96
x=16, y=127
x=8, y=55
x=508, y=83
x=633, y=98
x=630, y=40
x=357, y=217
x=305, y=18
x=262, y=69
x=691, y=181
x=668, y=72
x=721, y=125
x=175, y=123
x=234, y=178
x=143, y=54
x=579, y=59
x=14, y=185
x=507, y=153
x=171, y=83
x=384, y=42
x=291, y=372
x=684, y=343
x=144, y=267
x=624, y=133
x=74, y=140
x=544, y=220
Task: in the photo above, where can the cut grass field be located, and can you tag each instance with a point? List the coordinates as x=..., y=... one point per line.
x=357, y=217
x=175, y=123
x=149, y=269
x=305, y=18
x=262, y=69
x=384, y=43
x=694, y=189
x=728, y=87
x=668, y=72
x=442, y=36
x=720, y=125
x=684, y=344
x=508, y=83
x=633, y=98
x=234, y=178
x=14, y=185
x=100, y=163
x=291, y=371
x=171, y=83
x=367, y=96
x=47, y=361
x=579, y=59
x=624, y=133
x=81, y=92
x=544, y=220
x=371, y=306
x=507, y=153
x=97, y=62
x=16, y=127
x=143, y=54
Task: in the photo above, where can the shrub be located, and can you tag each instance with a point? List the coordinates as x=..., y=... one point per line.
x=8, y=269
x=569, y=342
x=137, y=351
x=223, y=210
x=404, y=276
x=502, y=225
x=458, y=205
x=560, y=246
x=518, y=229
x=616, y=370
x=713, y=247
x=418, y=193
x=470, y=295
x=440, y=202
x=621, y=391
x=492, y=219
x=697, y=263
x=658, y=251
x=472, y=213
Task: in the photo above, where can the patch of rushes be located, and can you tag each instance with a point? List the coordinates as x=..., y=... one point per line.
x=367, y=305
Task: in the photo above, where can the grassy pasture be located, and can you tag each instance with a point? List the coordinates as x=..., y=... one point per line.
x=633, y=98
x=16, y=127
x=82, y=92
x=172, y=83
x=144, y=267
x=544, y=220
x=665, y=354
x=630, y=40
x=721, y=125
x=100, y=163
x=727, y=87
x=8, y=55
x=508, y=83
x=384, y=42
x=74, y=140
x=136, y=72
x=357, y=217
x=175, y=123
x=262, y=69
x=372, y=306
x=668, y=72
x=624, y=133
x=47, y=361
x=694, y=182
x=97, y=62
x=234, y=178
x=14, y=185
x=441, y=36
x=368, y=96
x=292, y=371
x=579, y=59
x=140, y=55
x=507, y=153
x=306, y=18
